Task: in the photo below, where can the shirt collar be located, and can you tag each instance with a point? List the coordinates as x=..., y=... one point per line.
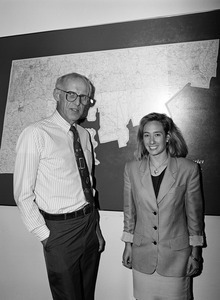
x=60, y=121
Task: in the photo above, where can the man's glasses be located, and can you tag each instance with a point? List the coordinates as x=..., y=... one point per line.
x=72, y=96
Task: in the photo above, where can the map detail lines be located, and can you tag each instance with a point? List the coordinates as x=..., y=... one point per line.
x=129, y=83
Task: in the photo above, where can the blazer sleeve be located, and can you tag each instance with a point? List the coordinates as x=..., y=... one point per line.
x=194, y=208
x=129, y=208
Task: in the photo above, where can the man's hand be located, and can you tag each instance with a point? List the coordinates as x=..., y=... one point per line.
x=100, y=238
x=44, y=242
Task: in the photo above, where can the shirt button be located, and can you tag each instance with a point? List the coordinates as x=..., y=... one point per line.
x=155, y=227
x=154, y=242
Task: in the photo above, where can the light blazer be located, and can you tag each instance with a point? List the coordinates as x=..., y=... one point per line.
x=162, y=228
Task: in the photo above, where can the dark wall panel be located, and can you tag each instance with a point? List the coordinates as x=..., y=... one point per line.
x=109, y=175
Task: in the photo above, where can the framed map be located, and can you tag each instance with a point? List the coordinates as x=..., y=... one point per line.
x=167, y=65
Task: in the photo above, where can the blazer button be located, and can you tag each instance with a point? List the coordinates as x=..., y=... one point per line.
x=154, y=242
x=154, y=212
x=155, y=227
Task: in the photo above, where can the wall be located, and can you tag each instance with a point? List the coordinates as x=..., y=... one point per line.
x=26, y=16
x=23, y=274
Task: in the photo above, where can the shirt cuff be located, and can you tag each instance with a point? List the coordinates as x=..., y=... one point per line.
x=127, y=237
x=196, y=240
x=41, y=232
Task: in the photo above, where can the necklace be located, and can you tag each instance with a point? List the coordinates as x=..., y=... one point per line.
x=156, y=169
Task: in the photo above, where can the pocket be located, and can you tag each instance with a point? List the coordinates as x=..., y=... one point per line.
x=180, y=242
x=47, y=242
x=177, y=189
x=137, y=239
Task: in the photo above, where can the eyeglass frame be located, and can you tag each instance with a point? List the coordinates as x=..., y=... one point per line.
x=91, y=101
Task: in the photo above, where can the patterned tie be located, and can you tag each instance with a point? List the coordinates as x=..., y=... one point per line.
x=82, y=166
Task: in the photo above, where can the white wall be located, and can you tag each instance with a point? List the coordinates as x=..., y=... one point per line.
x=23, y=273
x=26, y=16
x=22, y=270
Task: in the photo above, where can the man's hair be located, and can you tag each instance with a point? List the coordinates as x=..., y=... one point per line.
x=61, y=80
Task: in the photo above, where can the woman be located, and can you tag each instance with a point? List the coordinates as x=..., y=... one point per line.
x=163, y=213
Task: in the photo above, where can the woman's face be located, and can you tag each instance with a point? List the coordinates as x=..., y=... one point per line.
x=154, y=138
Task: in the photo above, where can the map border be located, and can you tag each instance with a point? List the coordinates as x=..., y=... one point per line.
x=166, y=30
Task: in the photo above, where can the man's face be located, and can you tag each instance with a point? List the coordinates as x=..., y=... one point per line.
x=71, y=111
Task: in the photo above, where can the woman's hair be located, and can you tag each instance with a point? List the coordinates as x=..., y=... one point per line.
x=176, y=145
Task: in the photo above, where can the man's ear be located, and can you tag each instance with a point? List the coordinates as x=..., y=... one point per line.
x=56, y=95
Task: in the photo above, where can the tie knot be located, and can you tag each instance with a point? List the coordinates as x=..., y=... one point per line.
x=73, y=129
x=75, y=134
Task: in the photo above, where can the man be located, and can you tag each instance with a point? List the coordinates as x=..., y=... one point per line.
x=52, y=197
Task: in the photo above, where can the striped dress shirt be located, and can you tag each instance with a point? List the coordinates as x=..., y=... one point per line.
x=46, y=175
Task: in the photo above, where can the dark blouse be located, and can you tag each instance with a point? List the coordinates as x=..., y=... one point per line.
x=157, y=182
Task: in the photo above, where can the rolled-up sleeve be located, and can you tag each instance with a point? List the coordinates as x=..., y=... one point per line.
x=194, y=208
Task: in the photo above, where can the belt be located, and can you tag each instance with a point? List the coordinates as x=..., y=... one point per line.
x=78, y=213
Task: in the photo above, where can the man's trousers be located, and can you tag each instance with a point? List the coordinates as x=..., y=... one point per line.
x=72, y=257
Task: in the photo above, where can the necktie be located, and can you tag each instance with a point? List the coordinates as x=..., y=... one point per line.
x=82, y=166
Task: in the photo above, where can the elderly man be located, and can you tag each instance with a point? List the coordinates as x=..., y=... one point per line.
x=54, y=193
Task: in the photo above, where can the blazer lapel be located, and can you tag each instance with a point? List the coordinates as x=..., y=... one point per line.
x=147, y=181
x=168, y=180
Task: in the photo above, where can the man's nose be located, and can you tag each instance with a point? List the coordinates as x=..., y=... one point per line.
x=77, y=100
